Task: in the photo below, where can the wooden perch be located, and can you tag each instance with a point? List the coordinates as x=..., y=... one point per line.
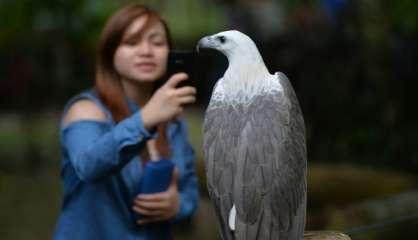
x=325, y=235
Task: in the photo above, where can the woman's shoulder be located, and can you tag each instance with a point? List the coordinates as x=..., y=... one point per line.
x=84, y=106
x=84, y=109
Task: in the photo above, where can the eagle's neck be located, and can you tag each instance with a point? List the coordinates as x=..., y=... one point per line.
x=246, y=77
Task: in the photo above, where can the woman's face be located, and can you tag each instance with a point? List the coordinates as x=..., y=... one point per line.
x=144, y=58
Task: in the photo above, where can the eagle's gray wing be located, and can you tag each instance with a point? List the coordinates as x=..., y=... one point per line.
x=256, y=159
x=289, y=187
x=219, y=160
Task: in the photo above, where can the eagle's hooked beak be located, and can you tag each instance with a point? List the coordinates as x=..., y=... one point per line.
x=205, y=42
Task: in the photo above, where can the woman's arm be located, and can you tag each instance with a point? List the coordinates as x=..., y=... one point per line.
x=94, y=147
x=95, y=150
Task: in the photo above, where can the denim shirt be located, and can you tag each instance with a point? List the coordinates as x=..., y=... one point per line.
x=101, y=170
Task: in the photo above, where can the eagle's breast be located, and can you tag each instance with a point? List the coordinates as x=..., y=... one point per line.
x=243, y=89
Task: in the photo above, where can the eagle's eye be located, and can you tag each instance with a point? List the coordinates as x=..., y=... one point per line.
x=222, y=39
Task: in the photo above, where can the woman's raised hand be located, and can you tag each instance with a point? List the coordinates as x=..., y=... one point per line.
x=168, y=101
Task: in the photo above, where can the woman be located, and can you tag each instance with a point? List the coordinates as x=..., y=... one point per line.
x=108, y=133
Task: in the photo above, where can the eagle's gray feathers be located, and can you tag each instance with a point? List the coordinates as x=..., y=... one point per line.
x=255, y=157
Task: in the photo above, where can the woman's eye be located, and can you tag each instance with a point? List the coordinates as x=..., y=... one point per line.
x=158, y=43
x=130, y=42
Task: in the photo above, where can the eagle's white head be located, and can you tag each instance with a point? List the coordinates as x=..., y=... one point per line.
x=231, y=43
x=247, y=74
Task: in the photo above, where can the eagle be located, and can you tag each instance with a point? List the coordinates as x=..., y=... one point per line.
x=254, y=146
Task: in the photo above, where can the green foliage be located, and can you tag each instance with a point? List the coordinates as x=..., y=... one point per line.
x=28, y=144
x=81, y=21
x=351, y=183
x=191, y=19
x=404, y=15
x=78, y=21
x=16, y=17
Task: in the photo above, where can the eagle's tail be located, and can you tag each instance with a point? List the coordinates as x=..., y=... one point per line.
x=265, y=229
x=262, y=229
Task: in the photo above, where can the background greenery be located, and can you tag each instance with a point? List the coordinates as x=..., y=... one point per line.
x=353, y=65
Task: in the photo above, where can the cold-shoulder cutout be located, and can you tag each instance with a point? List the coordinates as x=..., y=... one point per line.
x=83, y=109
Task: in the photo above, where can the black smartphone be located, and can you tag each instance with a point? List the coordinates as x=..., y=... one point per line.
x=182, y=61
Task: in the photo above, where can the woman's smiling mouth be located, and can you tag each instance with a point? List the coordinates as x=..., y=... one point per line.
x=146, y=66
